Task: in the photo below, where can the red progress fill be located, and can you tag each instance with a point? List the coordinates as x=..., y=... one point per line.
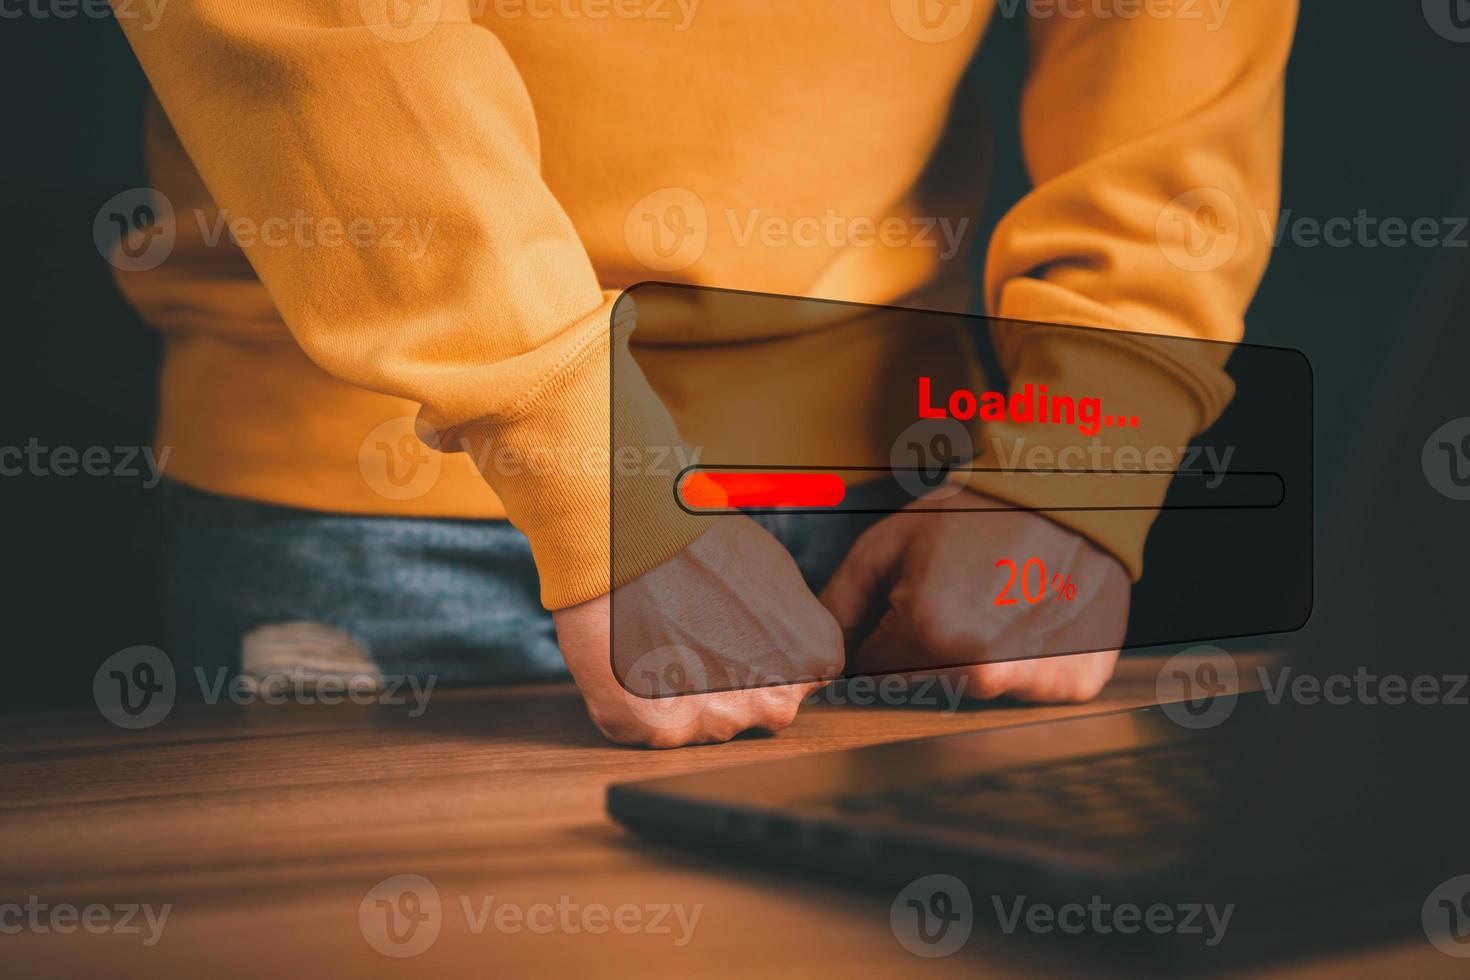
x=760, y=490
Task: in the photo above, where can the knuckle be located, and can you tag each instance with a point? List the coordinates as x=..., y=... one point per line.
x=820, y=650
x=935, y=634
x=627, y=729
x=610, y=725
x=665, y=739
x=1082, y=679
x=624, y=733
x=1087, y=687
x=990, y=681
x=722, y=723
x=780, y=714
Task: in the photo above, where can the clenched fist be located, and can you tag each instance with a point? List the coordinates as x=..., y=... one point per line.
x=729, y=611
x=918, y=591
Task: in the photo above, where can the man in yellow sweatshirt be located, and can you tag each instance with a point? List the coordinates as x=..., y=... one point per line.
x=391, y=222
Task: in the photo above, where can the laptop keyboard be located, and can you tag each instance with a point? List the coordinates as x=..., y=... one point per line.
x=1154, y=798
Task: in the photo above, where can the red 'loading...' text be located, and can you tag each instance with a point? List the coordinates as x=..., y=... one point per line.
x=1029, y=403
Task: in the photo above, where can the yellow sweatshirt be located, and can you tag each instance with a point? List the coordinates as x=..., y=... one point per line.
x=436, y=201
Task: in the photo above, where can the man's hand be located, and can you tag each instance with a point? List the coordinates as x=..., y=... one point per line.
x=731, y=610
x=919, y=590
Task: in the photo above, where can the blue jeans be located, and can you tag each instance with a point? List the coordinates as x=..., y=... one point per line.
x=455, y=599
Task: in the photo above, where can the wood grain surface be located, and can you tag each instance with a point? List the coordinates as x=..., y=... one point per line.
x=264, y=829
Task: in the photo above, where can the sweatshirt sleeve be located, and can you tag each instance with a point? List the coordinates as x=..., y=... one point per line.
x=498, y=328
x=1153, y=144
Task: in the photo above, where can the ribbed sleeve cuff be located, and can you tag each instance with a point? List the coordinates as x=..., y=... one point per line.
x=552, y=463
x=1174, y=386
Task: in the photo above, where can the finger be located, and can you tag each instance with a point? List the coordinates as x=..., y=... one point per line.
x=919, y=639
x=777, y=713
x=986, y=682
x=854, y=591
x=1072, y=679
x=894, y=646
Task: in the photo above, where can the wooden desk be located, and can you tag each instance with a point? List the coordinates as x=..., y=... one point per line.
x=264, y=827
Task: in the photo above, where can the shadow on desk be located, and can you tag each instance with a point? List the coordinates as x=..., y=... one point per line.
x=265, y=830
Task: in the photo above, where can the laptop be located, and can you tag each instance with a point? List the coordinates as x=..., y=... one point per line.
x=1317, y=820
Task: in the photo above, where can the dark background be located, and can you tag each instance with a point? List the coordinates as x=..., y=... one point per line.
x=1374, y=121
